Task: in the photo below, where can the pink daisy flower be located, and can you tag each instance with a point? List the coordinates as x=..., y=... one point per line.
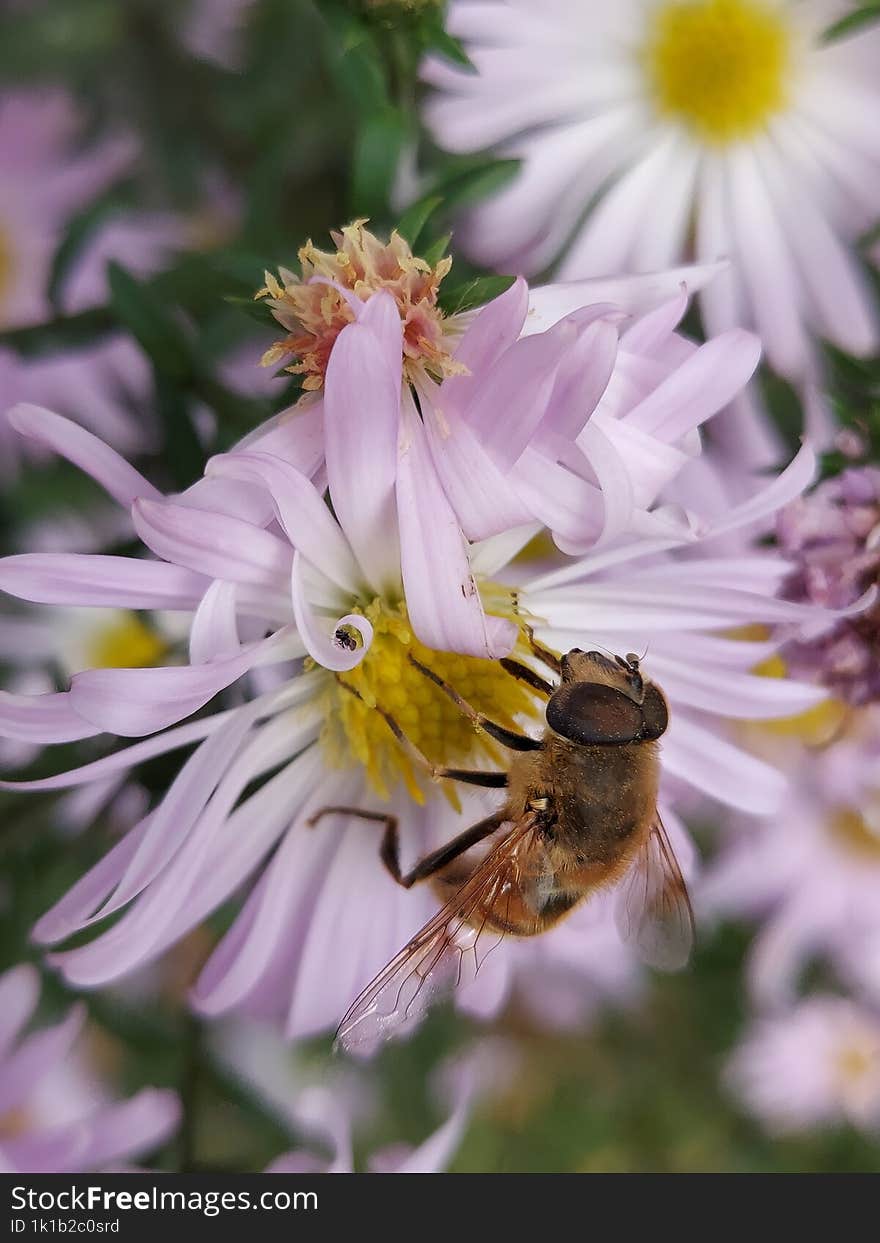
x=650, y=131
x=817, y=1065
x=57, y=1118
x=267, y=575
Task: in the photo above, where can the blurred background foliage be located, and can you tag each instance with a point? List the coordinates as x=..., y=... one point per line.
x=312, y=122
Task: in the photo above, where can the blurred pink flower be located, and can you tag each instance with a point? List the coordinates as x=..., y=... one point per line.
x=331, y=1111
x=719, y=128
x=212, y=30
x=810, y=873
x=832, y=539
x=323, y=915
x=103, y=387
x=55, y=1117
x=47, y=180
x=816, y=1065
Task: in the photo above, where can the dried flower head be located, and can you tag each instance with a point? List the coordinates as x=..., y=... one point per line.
x=316, y=306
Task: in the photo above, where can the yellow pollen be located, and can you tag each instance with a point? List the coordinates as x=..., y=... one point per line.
x=354, y=732
x=721, y=66
x=815, y=726
x=856, y=1062
x=125, y=643
x=7, y=266
x=315, y=311
x=855, y=832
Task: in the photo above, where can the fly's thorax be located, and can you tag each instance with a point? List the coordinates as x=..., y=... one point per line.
x=604, y=796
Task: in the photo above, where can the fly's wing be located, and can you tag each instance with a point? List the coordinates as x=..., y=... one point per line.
x=653, y=908
x=440, y=955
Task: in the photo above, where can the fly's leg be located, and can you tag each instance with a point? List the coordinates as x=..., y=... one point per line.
x=509, y=738
x=550, y=659
x=523, y=673
x=474, y=777
x=389, y=851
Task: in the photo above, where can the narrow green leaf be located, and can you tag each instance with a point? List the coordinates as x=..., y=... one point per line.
x=252, y=307
x=476, y=292
x=437, y=250
x=438, y=39
x=182, y=450
x=478, y=183
x=377, y=151
x=141, y=311
x=852, y=22
x=412, y=223
x=80, y=228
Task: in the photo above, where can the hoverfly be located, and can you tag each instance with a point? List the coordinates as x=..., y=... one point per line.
x=580, y=815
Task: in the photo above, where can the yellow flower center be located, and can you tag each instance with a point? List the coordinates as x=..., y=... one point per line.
x=814, y=726
x=857, y=832
x=124, y=643
x=314, y=311
x=858, y=1061
x=6, y=267
x=354, y=732
x=721, y=66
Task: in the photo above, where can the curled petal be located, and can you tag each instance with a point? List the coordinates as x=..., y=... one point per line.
x=301, y=511
x=331, y=644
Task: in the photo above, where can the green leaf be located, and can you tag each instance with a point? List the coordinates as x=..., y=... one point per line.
x=474, y=184
x=437, y=250
x=413, y=221
x=377, y=151
x=784, y=407
x=141, y=310
x=852, y=22
x=353, y=57
x=476, y=292
x=438, y=39
x=182, y=451
x=254, y=308
x=79, y=230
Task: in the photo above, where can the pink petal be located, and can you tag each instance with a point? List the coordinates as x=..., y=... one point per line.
x=43, y=718
x=130, y=1128
x=73, y=911
x=701, y=386
x=86, y=451
x=214, y=544
x=214, y=629
x=113, y=582
x=361, y=418
x=510, y=401
x=300, y=510
x=133, y=702
x=442, y=597
x=481, y=494
x=636, y=294
x=120, y=760
x=492, y=332
x=19, y=994
x=34, y=1056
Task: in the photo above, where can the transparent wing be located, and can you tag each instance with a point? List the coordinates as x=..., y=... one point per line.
x=653, y=908
x=441, y=955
